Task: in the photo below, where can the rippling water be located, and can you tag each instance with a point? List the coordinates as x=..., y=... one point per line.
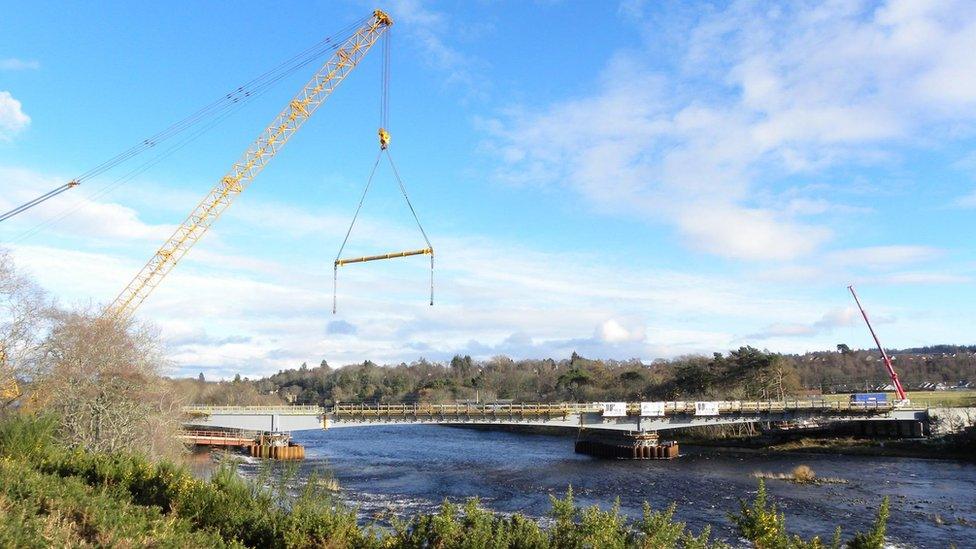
x=405, y=469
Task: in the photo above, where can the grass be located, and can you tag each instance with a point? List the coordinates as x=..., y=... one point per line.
x=801, y=474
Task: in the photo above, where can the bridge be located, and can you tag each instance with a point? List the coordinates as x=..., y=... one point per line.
x=606, y=429
x=632, y=417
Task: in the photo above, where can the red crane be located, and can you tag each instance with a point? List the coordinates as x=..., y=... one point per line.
x=884, y=355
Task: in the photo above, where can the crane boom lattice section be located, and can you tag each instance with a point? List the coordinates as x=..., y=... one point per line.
x=267, y=145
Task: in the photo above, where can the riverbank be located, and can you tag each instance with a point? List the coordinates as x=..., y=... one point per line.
x=51, y=494
x=847, y=446
x=955, y=447
x=961, y=446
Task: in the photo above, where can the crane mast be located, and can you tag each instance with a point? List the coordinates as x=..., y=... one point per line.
x=257, y=156
x=884, y=354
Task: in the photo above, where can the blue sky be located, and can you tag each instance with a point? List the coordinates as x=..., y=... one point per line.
x=631, y=179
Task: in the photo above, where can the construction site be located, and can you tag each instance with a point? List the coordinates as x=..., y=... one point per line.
x=674, y=227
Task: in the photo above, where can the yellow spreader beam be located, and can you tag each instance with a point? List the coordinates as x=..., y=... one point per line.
x=391, y=255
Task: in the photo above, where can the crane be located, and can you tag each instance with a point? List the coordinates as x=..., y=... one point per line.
x=254, y=159
x=884, y=354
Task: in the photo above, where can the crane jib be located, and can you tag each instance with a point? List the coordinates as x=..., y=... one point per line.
x=255, y=158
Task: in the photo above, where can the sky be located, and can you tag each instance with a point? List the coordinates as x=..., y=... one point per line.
x=624, y=180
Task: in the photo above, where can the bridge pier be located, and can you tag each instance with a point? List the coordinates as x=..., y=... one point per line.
x=626, y=445
x=886, y=429
x=277, y=446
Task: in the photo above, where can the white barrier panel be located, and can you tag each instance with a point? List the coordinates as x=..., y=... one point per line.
x=614, y=409
x=652, y=409
x=706, y=408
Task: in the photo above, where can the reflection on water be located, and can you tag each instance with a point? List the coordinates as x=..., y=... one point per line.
x=406, y=469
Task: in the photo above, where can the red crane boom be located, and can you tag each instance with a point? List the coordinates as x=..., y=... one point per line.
x=884, y=355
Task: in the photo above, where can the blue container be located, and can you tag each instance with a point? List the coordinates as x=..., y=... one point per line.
x=866, y=398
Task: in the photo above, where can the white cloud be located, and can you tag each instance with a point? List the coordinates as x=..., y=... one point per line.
x=429, y=28
x=256, y=316
x=967, y=165
x=827, y=323
x=612, y=331
x=12, y=117
x=760, y=93
x=73, y=214
x=748, y=233
x=967, y=201
x=875, y=257
x=257, y=313
x=14, y=64
x=922, y=277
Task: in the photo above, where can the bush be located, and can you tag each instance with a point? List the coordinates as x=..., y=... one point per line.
x=803, y=474
x=53, y=496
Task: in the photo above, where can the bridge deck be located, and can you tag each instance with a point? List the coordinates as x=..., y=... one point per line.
x=341, y=411
x=622, y=416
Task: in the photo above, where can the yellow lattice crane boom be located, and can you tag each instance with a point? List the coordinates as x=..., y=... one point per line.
x=267, y=145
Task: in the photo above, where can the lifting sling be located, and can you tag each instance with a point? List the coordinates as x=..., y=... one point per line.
x=429, y=250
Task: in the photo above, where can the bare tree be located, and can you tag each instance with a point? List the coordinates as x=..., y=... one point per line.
x=25, y=313
x=102, y=378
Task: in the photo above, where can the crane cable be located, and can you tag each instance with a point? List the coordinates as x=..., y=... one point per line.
x=384, y=148
x=38, y=200
x=218, y=111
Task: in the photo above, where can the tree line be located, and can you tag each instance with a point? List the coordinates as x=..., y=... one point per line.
x=745, y=373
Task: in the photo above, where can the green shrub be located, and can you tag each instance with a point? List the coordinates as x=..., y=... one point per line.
x=52, y=496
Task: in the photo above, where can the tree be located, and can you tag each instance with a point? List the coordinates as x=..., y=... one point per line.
x=201, y=379
x=462, y=366
x=875, y=538
x=100, y=377
x=25, y=315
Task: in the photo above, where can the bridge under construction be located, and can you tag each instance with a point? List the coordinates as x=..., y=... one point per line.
x=605, y=429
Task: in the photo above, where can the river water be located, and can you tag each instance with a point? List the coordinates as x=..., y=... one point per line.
x=405, y=469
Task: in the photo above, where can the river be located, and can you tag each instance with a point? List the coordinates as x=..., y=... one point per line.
x=406, y=469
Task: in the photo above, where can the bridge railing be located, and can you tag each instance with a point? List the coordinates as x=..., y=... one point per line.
x=633, y=409
x=540, y=410
x=193, y=433
x=480, y=410
x=302, y=410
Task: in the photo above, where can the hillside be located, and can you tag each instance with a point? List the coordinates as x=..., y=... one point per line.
x=746, y=373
